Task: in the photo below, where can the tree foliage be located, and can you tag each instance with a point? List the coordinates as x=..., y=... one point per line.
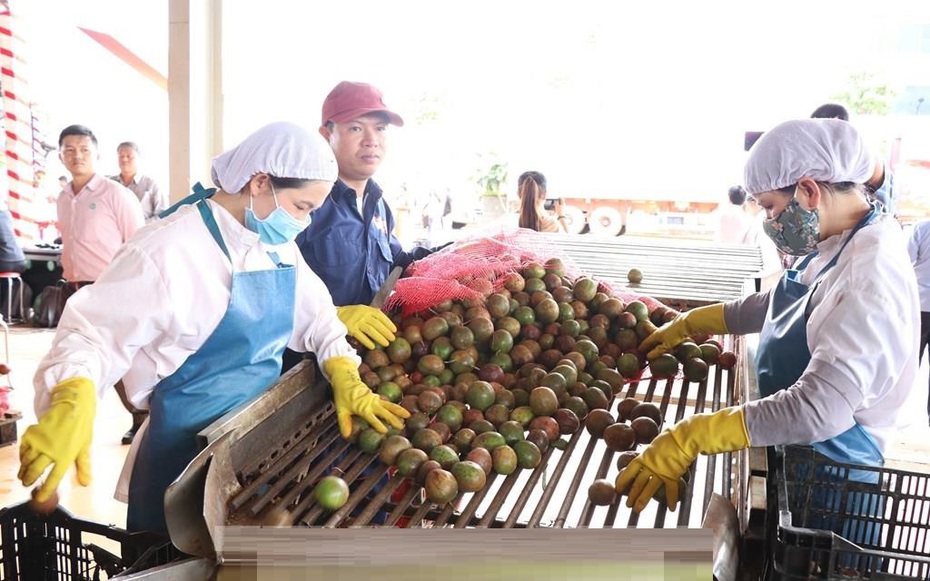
x=866, y=94
x=492, y=177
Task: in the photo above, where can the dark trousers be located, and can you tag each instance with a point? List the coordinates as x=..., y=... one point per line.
x=71, y=287
x=924, y=337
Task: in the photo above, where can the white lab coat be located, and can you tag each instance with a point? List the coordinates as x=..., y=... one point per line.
x=863, y=335
x=160, y=300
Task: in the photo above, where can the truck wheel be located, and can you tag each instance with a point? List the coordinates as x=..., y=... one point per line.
x=574, y=219
x=606, y=221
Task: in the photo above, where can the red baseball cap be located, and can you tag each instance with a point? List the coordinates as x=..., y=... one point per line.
x=348, y=101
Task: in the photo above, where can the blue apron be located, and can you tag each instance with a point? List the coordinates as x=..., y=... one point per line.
x=239, y=361
x=783, y=354
x=782, y=357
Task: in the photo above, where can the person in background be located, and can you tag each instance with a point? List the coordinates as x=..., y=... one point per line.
x=153, y=201
x=837, y=354
x=225, y=291
x=531, y=189
x=736, y=225
x=918, y=249
x=831, y=111
x=12, y=259
x=96, y=216
x=432, y=214
x=350, y=243
x=880, y=185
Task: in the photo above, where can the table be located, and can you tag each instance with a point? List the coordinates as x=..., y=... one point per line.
x=43, y=267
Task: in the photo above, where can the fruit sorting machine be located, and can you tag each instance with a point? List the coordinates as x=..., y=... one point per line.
x=261, y=463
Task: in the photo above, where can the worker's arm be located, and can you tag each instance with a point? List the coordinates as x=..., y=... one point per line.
x=668, y=457
x=738, y=317
x=61, y=437
x=103, y=327
x=352, y=397
x=688, y=324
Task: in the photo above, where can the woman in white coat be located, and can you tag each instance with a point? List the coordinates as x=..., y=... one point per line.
x=837, y=356
x=194, y=313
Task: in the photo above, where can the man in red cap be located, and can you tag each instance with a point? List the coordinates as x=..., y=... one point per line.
x=350, y=243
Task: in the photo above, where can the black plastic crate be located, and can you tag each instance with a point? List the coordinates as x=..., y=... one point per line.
x=843, y=521
x=62, y=547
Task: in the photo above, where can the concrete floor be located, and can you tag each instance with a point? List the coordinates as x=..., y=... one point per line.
x=28, y=345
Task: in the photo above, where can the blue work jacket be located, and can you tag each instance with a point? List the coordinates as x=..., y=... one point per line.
x=353, y=253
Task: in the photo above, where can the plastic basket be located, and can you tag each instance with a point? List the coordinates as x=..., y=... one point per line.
x=60, y=546
x=843, y=521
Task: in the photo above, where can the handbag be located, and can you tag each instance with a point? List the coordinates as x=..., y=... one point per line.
x=49, y=305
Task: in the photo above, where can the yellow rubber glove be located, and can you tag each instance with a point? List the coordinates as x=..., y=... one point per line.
x=61, y=437
x=367, y=323
x=697, y=321
x=352, y=396
x=668, y=457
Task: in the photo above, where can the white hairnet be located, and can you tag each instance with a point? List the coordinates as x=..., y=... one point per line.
x=826, y=150
x=283, y=150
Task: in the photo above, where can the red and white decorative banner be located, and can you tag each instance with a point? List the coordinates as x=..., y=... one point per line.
x=20, y=153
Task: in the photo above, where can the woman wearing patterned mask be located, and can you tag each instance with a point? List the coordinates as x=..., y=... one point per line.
x=194, y=313
x=837, y=354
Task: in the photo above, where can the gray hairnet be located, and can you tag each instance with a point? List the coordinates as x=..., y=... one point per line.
x=825, y=150
x=283, y=150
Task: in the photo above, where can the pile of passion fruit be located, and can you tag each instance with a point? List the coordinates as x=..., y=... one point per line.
x=491, y=384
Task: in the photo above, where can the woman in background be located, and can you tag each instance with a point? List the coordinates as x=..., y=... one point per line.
x=533, y=215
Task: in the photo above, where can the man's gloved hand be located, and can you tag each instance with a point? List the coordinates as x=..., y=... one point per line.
x=367, y=324
x=668, y=457
x=61, y=437
x=352, y=396
x=697, y=321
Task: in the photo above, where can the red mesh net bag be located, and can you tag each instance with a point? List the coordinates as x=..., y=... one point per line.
x=474, y=267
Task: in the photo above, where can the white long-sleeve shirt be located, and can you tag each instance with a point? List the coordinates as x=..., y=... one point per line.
x=163, y=296
x=918, y=248
x=863, y=335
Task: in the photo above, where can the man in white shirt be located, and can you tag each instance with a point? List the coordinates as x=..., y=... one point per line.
x=153, y=201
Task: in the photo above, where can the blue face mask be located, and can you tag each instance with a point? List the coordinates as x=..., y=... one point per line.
x=794, y=230
x=279, y=227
